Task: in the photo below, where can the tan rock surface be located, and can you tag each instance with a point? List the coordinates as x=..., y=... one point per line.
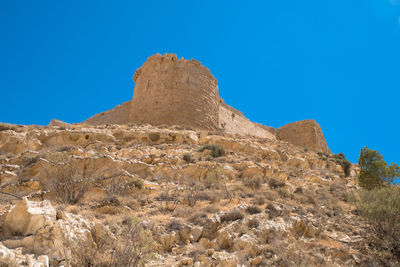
x=27, y=217
x=104, y=175
x=58, y=123
x=38, y=230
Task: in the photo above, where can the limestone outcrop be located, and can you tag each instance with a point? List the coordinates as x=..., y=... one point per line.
x=39, y=229
x=260, y=202
x=58, y=123
x=306, y=133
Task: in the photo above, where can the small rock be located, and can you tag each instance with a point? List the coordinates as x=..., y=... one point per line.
x=205, y=243
x=210, y=252
x=186, y=261
x=256, y=261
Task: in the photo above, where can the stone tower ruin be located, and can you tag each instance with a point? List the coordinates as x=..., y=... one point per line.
x=172, y=91
x=175, y=91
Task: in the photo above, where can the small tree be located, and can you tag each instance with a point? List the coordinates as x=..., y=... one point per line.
x=375, y=172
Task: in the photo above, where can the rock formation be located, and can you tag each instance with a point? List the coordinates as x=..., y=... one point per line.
x=261, y=202
x=37, y=228
x=172, y=91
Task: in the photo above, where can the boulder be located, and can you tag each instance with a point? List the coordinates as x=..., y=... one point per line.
x=37, y=228
x=59, y=123
x=27, y=217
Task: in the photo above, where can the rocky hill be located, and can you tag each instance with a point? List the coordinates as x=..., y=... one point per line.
x=176, y=177
x=204, y=198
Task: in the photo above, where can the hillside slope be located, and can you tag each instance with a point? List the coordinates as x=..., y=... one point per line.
x=262, y=202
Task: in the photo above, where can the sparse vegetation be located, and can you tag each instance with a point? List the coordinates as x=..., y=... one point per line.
x=213, y=177
x=72, y=185
x=216, y=150
x=339, y=158
x=380, y=207
x=284, y=193
x=253, y=210
x=263, y=204
x=133, y=246
x=253, y=182
x=304, y=229
x=232, y=216
x=275, y=183
x=119, y=184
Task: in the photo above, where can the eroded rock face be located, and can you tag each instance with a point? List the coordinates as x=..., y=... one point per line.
x=263, y=185
x=58, y=123
x=38, y=228
x=306, y=133
x=27, y=217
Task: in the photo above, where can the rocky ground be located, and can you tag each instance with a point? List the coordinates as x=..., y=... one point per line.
x=69, y=194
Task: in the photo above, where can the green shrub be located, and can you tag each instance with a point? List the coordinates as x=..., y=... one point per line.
x=342, y=161
x=275, y=183
x=216, y=150
x=283, y=192
x=380, y=207
x=375, y=172
x=188, y=157
x=253, y=210
x=137, y=182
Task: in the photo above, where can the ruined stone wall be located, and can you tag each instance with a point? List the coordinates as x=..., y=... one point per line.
x=172, y=91
x=119, y=115
x=233, y=121
x=306, y=133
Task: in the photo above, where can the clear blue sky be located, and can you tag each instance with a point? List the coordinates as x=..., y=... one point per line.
x=337, y=61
